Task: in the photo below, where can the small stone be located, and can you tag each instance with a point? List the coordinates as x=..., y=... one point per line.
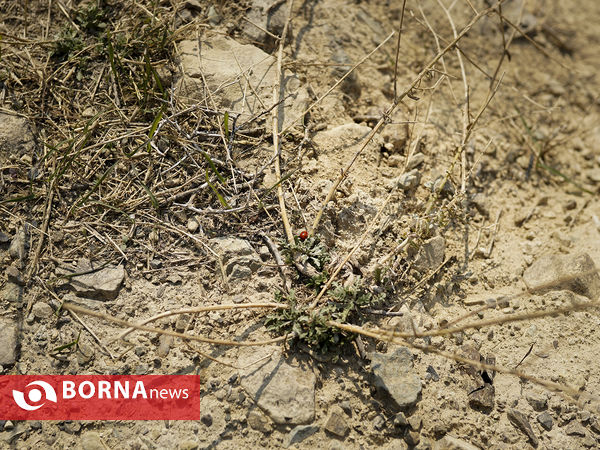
x=570, y=205
x=519, y=420
x=594, y=175
x=91, y=441
x=299, y=433
x=565, y=418
x=90, y=111
x=481, y=204
x=155, y=264
x=8, y=342
x=206, y=419
x=409, y=180
x=545, y=420
x=8, y=425
x=483, y=399
x=345, y=405
x=42, y=310
x=432, y=373
x=12, y=292
x=14, y=276
x=379, y=422
x=538, y=402
x=181, y=216
x=351, y=85
x=35, y=425
x=431, y=254
x=96, y=281
x=188, y=444
x=575, y=429
x=182, y=322
x=446, y=191
x=264, y=253
x=18, y=245
x=595, y=425
x=395, y=378
x=400, y=421
x=415, y=160
x=233, y=379
x=589, y=442
x=4, y=238
x=474, y=300
x=192, y=225
x=57, y=236
x=164, y=345
x=72, y=427
x=214, y=18
x=257, y=421
x=393, y=160
x=269, y=15
x=576, y=273
x=415, y=423
x=449, y=442
x=141, y=369
x=194, y=5
x=584, y=415
x=412, y=438
x=239, y=272
x=336, y=421
x=174, y=278
x=238, y=257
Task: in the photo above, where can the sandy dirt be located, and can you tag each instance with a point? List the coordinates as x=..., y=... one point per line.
x=525, y=186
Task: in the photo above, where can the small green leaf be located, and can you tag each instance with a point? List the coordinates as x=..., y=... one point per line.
x=152, y=197
x=217, y=193
x=226, y=124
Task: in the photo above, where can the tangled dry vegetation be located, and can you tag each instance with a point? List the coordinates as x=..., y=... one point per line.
x=124, y=161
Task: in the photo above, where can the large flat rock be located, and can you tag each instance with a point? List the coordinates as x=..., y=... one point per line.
x=239, y=77
x=284, y=390
x=238, y=257
x=94, y=280
x=576, y=273
x=395, y=378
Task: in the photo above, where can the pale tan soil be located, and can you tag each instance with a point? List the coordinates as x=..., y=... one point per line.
x=535, y=218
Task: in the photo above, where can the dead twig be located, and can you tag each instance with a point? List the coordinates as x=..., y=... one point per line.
x=275, y=117
x=125, y=323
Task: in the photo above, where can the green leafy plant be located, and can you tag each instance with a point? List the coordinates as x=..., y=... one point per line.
x=313, y=327
x=312, y=255
x=91, y=19
x=67, y=44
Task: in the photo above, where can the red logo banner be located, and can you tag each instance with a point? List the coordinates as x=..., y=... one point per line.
x=99, y=397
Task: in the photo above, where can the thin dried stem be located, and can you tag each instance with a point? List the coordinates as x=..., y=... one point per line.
x=275, y=117
x=125, y=323
x=400, y=29
x=201, y=309
x=571, y=391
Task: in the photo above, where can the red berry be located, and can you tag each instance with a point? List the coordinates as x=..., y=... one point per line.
x=303, y=235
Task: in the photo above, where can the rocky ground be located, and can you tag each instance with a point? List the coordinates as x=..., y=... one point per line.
x=138, y=176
